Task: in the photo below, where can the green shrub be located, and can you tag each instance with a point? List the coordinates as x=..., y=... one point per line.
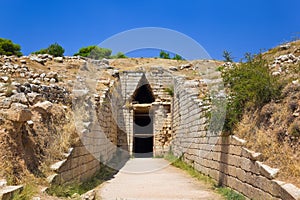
x=119, y=55
x=94, y=52
x=251, y=86
x=7, y=47
x=164, y=55
x=54, y=49
x=170, y=90
x=177, y=57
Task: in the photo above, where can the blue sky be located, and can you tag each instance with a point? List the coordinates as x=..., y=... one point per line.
x=238, y=26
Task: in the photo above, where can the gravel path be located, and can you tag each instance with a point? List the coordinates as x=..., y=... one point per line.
x=154, y=179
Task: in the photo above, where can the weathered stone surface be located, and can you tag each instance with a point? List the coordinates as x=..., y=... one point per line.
x=54, y=179
x=59, y=59
x=19, y=98
x=19, y=113
x=43, y=106
x=8, y=192
x=266, y=170
x=34, y=97
x=3, y=183
x=251, y=154
x=291, y=192
x=55, y=167
x=90, y=195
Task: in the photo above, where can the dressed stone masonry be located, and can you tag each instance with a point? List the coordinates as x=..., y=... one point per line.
x=180, y=123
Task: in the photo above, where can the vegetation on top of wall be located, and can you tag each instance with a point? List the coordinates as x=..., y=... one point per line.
x=251, y=86
x=7, y=47
x=55, y=50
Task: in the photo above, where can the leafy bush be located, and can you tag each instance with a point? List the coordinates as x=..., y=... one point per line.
x=164, y=55
x=251, y=86
x=54, y=49
x=7, y=47
x=119, y=55
x=94, y=52
x=177, y=57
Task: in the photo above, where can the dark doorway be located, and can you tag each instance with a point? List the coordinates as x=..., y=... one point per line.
x=143, y=135
x=143, y=97
x=143, y=147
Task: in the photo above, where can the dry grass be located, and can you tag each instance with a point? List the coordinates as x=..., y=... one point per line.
x=277, y=154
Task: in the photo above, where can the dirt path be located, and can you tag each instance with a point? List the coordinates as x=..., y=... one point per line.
x=151, y=179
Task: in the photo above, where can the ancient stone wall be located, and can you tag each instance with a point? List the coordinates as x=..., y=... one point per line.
x=98, y=144
x=225, y=159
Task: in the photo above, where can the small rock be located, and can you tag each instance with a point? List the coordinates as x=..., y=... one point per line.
x=284, y=57
x=295, y=82
x=19, y=98
x=42, y=76
x=23, y=61
x=36, y=81
x=59, y=59
x=5, y=79
x=296, y=114
x=285, y=46
x=43, y=106
x=52, y=75
x=30, y=123
x=105, y=61
x=38, y=60
x=90, y=195
x=185, y=66
x=34, y=97
x=173, y=68
x=52, y=80
x=19, y=113
x=276, y=73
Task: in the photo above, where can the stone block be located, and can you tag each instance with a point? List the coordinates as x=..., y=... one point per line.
x=249, y=166
x=66, y=176
x=76, y=172
x=267, y=171
x=8, y=192
x=240, y=174
x=234, y=140
x=290, y=192
x=235, y=150
x=231, y=160
x=54, y=179
x=74, y=162
x=251, y=154
x=57, y=166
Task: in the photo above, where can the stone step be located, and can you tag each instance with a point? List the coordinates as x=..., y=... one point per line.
x=8, y=192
